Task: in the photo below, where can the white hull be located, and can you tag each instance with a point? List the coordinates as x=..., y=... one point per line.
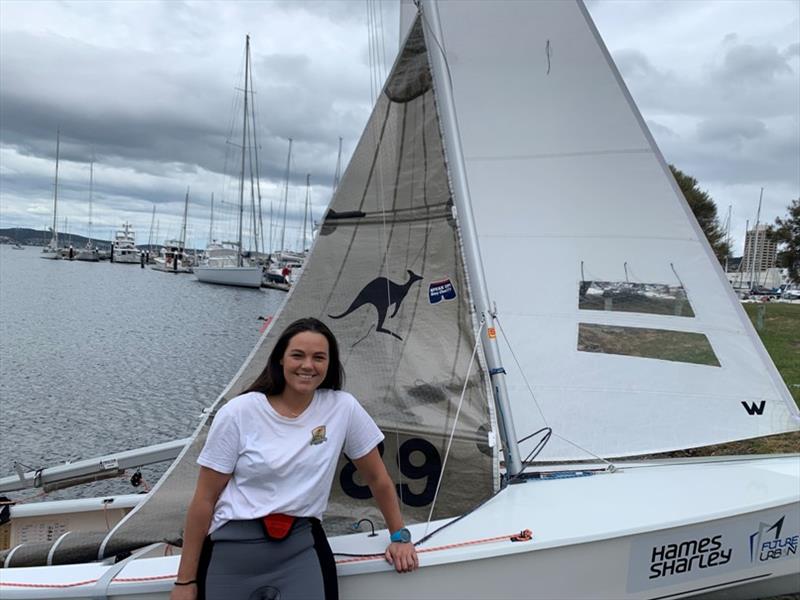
x=51, y=254
x=127, y=259
x=159, y=266
x=593, y=537
x=237, y=276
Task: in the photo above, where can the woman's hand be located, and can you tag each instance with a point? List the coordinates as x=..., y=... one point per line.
x=184, y=592
x=402, y=556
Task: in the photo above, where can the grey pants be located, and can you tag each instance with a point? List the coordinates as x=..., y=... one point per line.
x=239, y=562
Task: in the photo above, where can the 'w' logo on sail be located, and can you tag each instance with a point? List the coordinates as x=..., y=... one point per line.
x=754, y=409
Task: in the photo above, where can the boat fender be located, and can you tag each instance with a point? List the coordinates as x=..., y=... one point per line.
x=526, y=535
x=136, y=478
x=5, y=512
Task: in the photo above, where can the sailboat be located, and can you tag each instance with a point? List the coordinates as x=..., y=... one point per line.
x=51, y=250
x=174, y=258
x=89, y=252
x=224, y=264
x=512, y=418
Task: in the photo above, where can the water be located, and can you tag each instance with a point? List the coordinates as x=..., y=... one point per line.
x=100, y=357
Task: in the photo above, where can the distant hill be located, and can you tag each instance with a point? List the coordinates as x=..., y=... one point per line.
x=39, y=237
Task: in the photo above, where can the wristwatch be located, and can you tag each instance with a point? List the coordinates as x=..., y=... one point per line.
x=401, y=536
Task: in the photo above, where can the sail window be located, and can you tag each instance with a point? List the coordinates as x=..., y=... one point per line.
x=622, y=296
x=663, y=344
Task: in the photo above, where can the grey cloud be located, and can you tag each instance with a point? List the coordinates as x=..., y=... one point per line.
x=752, y=64
x=633, y=63
x=659, y=130
x=791, y=50
x=733, y=129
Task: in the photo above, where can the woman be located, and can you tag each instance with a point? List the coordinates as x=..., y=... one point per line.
x=252, y=527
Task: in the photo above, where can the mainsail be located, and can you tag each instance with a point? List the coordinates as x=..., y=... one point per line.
x=618, y=328
x=386, y=275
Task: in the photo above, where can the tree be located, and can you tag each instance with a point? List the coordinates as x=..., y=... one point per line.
x=787, y=234
x=705, y=211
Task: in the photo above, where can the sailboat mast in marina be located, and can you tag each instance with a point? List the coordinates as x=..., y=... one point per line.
x=512, y=418
x=89, y=252
x=224, y=265
x=52, y=250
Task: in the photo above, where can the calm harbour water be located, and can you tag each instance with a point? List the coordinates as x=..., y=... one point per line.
x=100, y=357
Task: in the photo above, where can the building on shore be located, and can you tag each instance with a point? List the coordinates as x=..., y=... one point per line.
x=760, y=250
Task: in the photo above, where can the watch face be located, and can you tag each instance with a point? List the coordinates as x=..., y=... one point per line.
x=403, y=535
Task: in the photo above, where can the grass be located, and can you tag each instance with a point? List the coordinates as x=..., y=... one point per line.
x=779, y=330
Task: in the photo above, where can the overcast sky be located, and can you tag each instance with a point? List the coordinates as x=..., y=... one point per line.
x=150, y=90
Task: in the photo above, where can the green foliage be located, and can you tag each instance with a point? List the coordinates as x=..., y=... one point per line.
x=705, y=211
x=787, y=234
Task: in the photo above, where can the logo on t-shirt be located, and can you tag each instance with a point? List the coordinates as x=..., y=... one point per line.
x=318, y=435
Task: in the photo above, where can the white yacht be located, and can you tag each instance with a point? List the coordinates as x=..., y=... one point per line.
x=124, y=248
x=225, y=264
x=221, y=266
x=173, y=258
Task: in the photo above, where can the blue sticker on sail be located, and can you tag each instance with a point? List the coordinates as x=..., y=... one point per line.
x=442, y=289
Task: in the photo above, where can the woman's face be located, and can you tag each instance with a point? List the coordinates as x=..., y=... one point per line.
x=305, y=362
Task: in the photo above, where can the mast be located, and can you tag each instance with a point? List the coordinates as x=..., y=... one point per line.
x=286, y=196
x=54, y=239
x=305, y=212
x=211, y=222
x=150, y=236
x=244, y=146
x=185, y=216
x=258, y=230
x=473, y=260
x=727, y=238
x=91, y=185
x=338, y=174
x=754, y=243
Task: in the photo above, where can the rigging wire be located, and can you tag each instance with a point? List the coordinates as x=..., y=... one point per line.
x=455, y=419
x=539, y=408
x=375, y=39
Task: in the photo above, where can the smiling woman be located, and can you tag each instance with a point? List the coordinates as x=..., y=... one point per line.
x=253, y=526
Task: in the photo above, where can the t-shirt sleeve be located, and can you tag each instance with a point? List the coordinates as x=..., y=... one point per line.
x=221, y=450
x=362, y=433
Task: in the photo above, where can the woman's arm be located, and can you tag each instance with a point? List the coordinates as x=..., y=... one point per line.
x=372, y=469
x=210, y=484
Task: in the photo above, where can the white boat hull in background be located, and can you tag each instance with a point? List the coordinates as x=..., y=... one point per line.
x=51, y=254
x=87, y=256
x=236, y=276
x=127, y=259
x=664, y=529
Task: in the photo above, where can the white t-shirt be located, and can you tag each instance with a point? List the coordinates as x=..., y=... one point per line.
x=281, y=464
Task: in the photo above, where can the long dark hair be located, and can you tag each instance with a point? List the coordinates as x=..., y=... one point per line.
x=271, y=381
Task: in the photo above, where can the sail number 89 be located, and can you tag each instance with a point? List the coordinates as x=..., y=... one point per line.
x=430, y=470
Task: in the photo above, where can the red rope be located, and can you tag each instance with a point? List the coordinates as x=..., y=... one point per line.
x=523, y=535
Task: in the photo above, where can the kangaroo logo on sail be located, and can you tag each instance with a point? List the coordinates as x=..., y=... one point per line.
x=688, y=555
x=767, y=543
x=382, y=294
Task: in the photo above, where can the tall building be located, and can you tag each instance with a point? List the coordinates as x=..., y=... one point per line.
x=760, y=252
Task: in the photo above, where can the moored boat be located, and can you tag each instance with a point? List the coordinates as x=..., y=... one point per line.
x=123, y=248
